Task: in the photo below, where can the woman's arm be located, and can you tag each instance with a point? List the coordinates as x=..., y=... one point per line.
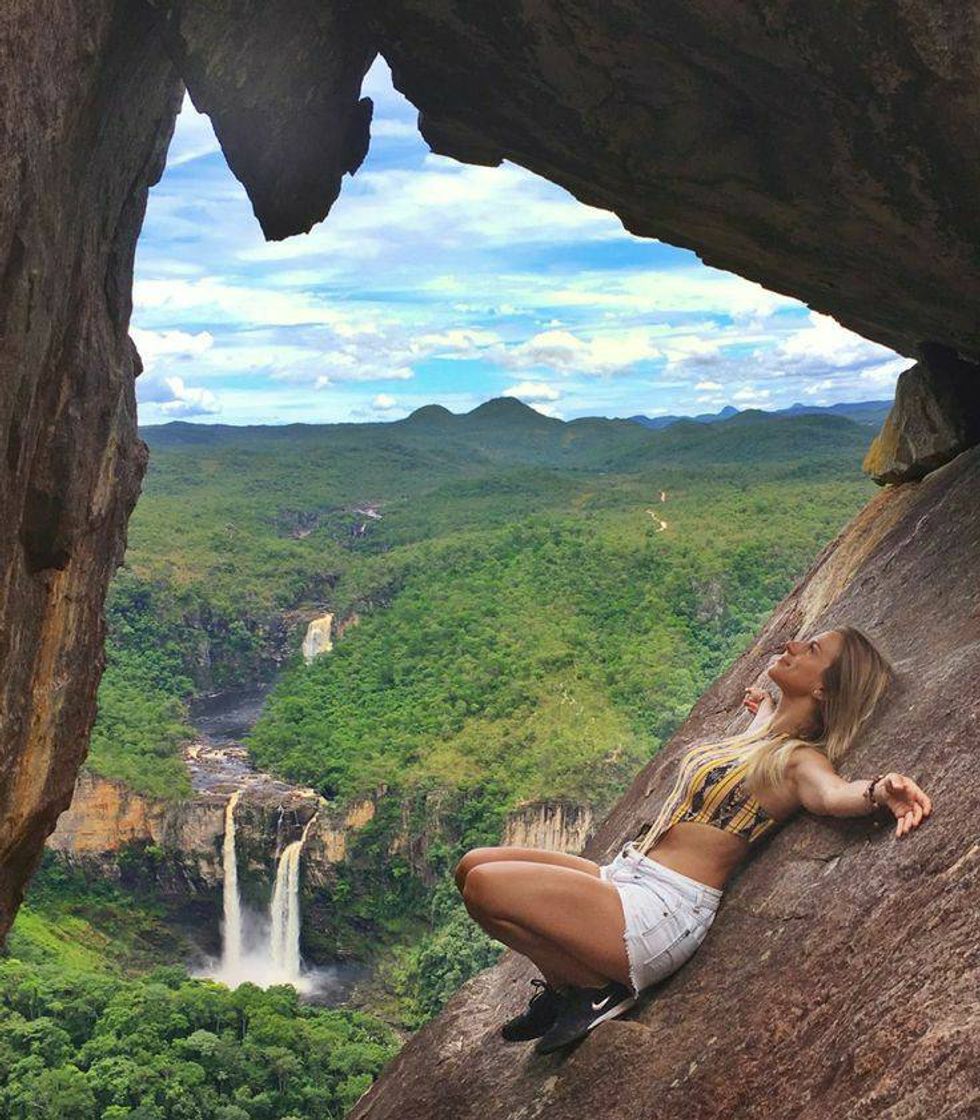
x=823, y=791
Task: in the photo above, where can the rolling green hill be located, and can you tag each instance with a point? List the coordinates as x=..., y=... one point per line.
x=509, y=560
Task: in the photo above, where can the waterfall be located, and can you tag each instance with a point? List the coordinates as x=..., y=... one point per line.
x=285, y=913
x=261, y=949
x=232, y=947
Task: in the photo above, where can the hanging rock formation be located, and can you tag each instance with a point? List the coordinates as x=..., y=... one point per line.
x=840, y=976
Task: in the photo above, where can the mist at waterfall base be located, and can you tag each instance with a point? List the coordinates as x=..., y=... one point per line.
x=264, y=949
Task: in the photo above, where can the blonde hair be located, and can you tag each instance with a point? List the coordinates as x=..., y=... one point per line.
x=852, y=686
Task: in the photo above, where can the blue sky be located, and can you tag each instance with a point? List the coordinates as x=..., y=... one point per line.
x=434, y=281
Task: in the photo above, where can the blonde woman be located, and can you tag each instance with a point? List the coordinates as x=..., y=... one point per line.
x=599, y=935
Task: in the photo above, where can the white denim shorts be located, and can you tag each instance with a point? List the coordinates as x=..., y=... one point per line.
x=667, y=914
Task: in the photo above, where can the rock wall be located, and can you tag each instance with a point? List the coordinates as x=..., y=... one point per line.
x=840, y=975
x=88, y=102
x=556, y=826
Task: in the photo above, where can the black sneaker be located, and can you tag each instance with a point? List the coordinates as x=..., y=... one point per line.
x=541, y=1014
x=585, y=1008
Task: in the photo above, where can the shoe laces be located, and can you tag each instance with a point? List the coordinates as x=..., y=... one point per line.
x=543, y=985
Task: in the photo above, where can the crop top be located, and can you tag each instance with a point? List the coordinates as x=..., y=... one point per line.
x=710, y=790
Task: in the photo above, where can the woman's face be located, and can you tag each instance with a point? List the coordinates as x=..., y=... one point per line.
x=798, y=668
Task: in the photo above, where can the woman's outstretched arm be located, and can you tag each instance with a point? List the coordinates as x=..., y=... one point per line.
x=823, y=791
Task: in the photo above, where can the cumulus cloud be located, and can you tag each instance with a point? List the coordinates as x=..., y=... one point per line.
x=703, y=386
x=565, y=352
x=383, y=402
x=749, y=396
x=172, y=399
x=153, y=346
x=532, y=391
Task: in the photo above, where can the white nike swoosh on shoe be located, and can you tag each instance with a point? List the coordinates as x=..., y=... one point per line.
x=601, y=1004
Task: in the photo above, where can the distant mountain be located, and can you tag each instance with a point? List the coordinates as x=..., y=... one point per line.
x=666, y=421
x=870, y=413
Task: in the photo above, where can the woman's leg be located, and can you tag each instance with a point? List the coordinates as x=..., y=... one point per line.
x=558, y=967
x=571, y=920
x=477, y=856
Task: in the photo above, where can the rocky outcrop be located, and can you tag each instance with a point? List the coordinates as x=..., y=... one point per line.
x=936, y=415
x=744, y=132
x=317, y=639
x=329, y=841
x=839, y=977
x=556, y=826
x=87, y=104
x=288, y=74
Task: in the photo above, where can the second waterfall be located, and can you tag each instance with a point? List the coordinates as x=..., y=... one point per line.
x=285, y=914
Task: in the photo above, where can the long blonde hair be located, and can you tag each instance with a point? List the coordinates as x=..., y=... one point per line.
x=852, y=686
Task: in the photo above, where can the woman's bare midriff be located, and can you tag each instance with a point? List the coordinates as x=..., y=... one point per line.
x=700, y=851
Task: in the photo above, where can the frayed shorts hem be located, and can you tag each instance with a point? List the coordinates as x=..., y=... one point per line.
x=667, y=915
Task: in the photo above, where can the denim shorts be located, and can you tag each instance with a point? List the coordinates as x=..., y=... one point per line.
x=667, y=914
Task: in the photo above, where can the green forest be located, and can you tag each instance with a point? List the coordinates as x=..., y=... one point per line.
x=530, y=608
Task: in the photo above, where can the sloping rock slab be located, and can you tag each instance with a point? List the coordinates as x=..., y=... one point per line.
x=840, y=977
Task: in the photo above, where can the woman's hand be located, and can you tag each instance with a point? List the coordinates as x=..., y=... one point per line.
x=755, y=698
x=905, y=799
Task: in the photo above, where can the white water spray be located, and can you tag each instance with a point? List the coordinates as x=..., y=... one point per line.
x=232, y=948
x=285, y=912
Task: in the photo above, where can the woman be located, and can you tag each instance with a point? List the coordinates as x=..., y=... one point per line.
x=601, y=934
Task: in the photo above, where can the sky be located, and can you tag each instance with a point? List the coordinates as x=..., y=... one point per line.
x=432, y=281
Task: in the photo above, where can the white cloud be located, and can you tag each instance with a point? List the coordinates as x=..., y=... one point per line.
x=532, y=391
x=453, y=343
x=562, y=351
x=392, y=128
x=705, y=385
x=193, y=137
x=383, y=402
x=750, y=393
x=171, y=398
x=156, y=345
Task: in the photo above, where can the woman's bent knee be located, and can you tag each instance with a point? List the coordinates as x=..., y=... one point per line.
x=472, y=859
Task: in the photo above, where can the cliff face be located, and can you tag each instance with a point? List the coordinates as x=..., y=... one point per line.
x=840, y=976
x=88, y=102
x=557, y=826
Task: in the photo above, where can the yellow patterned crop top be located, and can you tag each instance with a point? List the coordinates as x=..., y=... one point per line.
x=709, y=789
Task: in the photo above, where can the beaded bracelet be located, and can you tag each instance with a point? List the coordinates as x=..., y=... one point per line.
x=869, y=792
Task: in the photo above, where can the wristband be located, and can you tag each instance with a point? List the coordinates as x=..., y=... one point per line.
x=869, y=792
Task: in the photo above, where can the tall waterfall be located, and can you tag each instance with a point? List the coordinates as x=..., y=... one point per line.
x=261, y=948
x=285, y=913
x=232, y=949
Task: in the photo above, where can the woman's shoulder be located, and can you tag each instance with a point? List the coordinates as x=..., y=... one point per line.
x=802, y=753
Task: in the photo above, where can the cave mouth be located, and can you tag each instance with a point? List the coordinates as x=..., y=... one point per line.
x=844, y=178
